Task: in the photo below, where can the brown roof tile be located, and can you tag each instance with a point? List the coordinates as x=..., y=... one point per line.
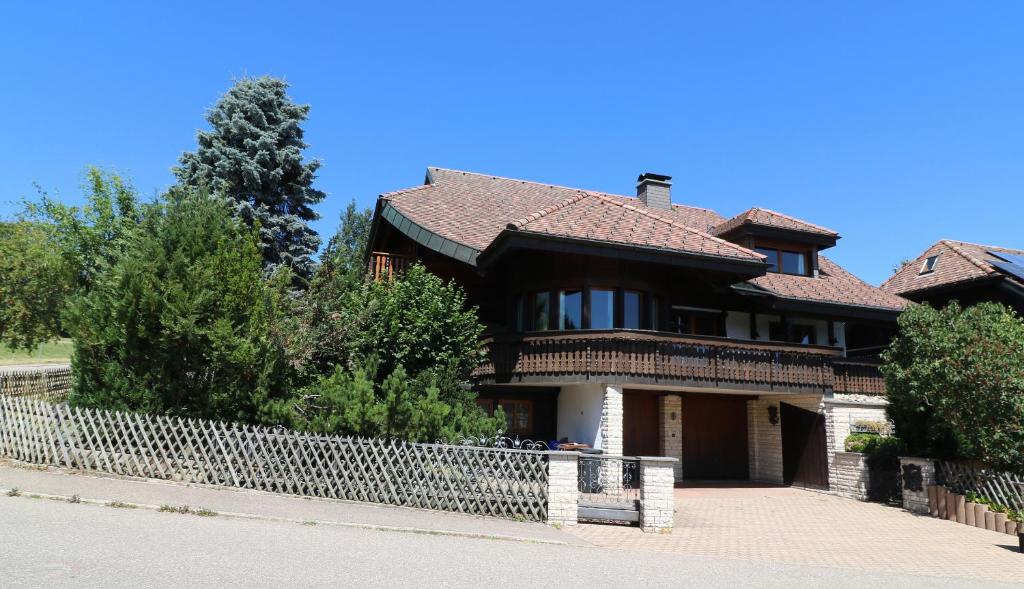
x=767, y=218
x=958, y=261
x=833, y=285
x=598, y=217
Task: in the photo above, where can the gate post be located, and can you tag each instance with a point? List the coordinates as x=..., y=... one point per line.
x=563, y=488
x=657, y=495
x=916, y=475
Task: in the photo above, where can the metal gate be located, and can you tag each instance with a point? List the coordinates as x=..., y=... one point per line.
x=609, y=488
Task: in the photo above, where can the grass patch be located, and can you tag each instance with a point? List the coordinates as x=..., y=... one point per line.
x=122, y=505
x=55, y=352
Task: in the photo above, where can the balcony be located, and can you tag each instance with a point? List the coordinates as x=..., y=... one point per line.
x=384, y=265
x=655, y=358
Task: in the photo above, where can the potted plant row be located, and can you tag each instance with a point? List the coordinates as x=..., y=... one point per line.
x=974, y=510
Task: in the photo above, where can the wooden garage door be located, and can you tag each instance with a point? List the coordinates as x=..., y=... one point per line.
x=640, y=424
x=715, y=437
x=804, y=461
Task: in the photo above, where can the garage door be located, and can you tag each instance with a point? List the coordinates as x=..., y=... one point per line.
x=715, y=437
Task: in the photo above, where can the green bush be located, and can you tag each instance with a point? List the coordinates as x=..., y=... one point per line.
x=183, y=321
x=955, y=383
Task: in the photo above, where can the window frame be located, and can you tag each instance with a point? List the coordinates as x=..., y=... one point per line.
x=779, y=249
x=929, y=264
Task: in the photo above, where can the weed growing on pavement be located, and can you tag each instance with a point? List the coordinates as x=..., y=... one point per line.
x=172, y=509
x=14, y=492
x=204, y=512
x=74, y=499
x=123, y=505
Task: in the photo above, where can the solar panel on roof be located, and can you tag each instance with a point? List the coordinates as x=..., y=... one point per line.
x=1011, y=264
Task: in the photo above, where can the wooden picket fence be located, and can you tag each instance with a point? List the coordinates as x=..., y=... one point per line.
x=47, y=384
x=474, y=480
x=1000, y=487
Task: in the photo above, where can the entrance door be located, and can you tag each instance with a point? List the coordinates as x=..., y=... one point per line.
x=804, y=460
x=715, y=437
x=640, y=424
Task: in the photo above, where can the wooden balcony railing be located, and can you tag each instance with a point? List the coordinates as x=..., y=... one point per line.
x=633, y=357
x=384, y=265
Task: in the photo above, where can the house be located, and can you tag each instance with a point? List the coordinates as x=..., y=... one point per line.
x=639, y=326
x=966, y=272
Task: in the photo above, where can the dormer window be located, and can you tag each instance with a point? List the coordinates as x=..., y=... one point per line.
x=786, y=261
x=929, y=264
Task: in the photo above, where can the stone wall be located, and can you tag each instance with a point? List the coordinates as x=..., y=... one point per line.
x=851, y=476
x=841, y=411
x=764, y=442
x=670, y=431
x=916, y=474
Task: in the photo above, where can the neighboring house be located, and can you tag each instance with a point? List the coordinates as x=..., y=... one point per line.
x=964, y=272
x=639, y=326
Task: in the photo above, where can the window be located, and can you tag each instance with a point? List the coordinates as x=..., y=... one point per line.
x=541, y=310
x=794, y=263
x=697, y=322
x=518, y=415
x=802, y=333
x=570, y=305
x=517, y=313
x=655, y=325
x=602, y=308
x=771, y=258
x=929, y=264
x=631, y=309
x=786, y=261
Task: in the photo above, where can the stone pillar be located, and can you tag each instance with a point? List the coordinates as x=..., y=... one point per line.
x=916, y=474
x=671, y=431
x=611, y=436
x=563, y=489
x=611, y=420
x=657, y=495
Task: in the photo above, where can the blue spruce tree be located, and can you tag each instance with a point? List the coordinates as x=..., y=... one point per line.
x=253, y=156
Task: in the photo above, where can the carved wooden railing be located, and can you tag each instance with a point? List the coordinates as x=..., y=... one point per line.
x=632, y=357
x=384, y=265
x=858, y=378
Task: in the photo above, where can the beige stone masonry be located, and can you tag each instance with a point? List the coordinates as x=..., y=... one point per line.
x=563, y=490
x=657, y=494
x=670, y=431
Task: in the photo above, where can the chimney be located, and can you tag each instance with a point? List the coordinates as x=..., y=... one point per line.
x=655, y=190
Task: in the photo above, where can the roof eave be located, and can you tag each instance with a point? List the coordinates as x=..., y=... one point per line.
x=427, y=238
x=513, y=239
x=752, y=229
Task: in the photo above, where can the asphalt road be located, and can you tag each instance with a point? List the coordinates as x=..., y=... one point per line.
x=45, y=543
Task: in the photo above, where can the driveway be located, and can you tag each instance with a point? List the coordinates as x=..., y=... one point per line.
x=794, y=526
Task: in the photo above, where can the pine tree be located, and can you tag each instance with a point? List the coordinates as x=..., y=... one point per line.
x=253, y=156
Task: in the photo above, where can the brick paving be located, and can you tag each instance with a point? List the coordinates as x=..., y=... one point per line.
x=795, y=526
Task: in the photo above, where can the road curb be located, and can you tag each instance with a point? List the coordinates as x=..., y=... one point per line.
x=27, y=494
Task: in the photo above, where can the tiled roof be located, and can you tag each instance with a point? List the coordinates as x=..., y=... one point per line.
x=833, y=285
x=767, y=218
x=473, y=209
x=598, y=217
x=958, y=261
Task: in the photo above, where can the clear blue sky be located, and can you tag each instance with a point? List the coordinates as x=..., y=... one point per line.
x=895, y=123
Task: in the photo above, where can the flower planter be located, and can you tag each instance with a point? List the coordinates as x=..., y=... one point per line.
x=979, y=515
x=951, y=499
x=990, y=521
x=942, y=495
x=969, y=511
x=933, y=500
x=1001, y=522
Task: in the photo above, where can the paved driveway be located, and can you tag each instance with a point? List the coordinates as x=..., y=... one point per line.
x=794, y=526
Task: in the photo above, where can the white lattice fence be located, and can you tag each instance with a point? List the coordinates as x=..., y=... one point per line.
x=1001, y=487
x=47, y=384
x=483, y=481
